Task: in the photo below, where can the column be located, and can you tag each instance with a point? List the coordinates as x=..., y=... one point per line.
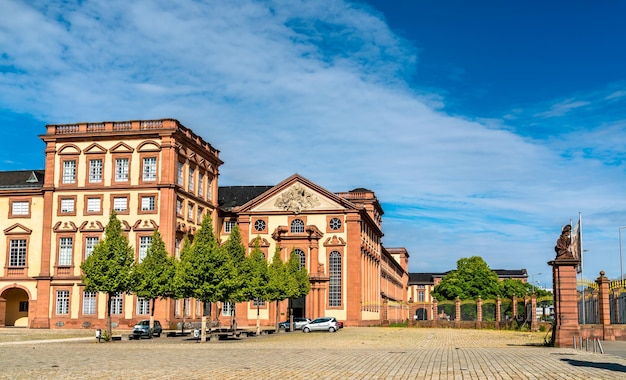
x=605, y=307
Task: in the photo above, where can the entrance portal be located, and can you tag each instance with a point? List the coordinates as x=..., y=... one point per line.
x=16, y=307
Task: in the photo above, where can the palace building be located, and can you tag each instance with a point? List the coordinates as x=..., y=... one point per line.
x=158, y=174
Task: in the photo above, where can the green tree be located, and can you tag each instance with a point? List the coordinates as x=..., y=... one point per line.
x=472, y=279
x=109, y=267
x=240, y=279
x=278, y=284
x=298, y=283
x=183, y=284
x=153, y=276
x=258, y=278
x=512, y=287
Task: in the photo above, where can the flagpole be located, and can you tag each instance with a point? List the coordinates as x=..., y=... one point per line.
x=580, y=231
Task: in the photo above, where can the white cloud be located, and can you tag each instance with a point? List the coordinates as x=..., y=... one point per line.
x=317, y=88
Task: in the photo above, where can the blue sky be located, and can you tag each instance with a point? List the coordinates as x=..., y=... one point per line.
x=483, y=127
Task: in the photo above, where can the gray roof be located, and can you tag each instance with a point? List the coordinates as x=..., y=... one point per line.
x=235, y=196
x=22, y=179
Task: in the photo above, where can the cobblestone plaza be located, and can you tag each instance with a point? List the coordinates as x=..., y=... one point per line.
x=352, y=353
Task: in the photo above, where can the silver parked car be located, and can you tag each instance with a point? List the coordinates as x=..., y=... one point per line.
x=298, y=322
x=321, y=324
x=142, y=329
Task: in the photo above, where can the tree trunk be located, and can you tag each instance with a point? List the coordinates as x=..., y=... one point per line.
x=151, y=326
x=277, y=314
x=109, y=330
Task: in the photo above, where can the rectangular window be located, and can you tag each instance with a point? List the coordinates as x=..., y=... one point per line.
x=19, y=208
x=200, y=184
x=199, y=214
x=65, y=251
x=95, y=171
x=179, y=177
x=177, y=307
x=17, y=253
x=187, y=307
x=90, y=244
x=179, y=206
x=143, y=306
x=144, y=244
x=63, y=302
x=190, y=185
x=93, y=205
x=227, y=308
x=420, y=296
x=228, y=226
x=177, y=248
x=67, y=205
x=120, y=204
x=69, y=171
x=121, y=169
x=208, y=188
x=23, y=308
x=89, y=303
x=149, y=169
x=258, y=302
x=148, y=203
x=117, y=303
x=190, y=211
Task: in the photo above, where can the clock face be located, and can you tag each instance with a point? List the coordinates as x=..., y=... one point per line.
x=259, y=225
x=335, y=224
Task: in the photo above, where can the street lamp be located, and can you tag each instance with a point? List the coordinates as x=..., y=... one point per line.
x=621, y=268
x=532, y=279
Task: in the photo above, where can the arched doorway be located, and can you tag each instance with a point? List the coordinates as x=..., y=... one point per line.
x=16, y=307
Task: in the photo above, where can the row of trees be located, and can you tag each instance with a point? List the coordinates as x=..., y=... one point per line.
x=206, y=271
x=473, y=278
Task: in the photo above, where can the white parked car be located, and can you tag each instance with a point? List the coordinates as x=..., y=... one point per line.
x=321, y=324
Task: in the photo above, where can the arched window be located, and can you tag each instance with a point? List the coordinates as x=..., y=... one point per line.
x=297, y=226
x=300, y=253
x=334, y=271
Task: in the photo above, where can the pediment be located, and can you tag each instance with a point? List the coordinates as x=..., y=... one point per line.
x=263, y=243
x=94, y=149
x=296, y=195
x=17, y=229
x=145, y=225
x=65, y=227
x=121, y=148
x=69, y=149
x=93, y=226
x=149, y=146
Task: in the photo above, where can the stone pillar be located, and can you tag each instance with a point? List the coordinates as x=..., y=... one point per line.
x=514, y=307
x=457, y=317
x=565, y=302
x=498, y=312
x=435, y=312
x=534, y=326
x=605, y=307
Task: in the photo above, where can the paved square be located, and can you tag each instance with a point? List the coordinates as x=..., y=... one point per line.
x=352, y=353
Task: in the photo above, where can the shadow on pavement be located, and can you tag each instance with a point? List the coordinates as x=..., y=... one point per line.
x=608, y=366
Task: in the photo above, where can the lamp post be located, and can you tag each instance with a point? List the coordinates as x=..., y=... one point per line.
x=532, y=279
x=621, y=268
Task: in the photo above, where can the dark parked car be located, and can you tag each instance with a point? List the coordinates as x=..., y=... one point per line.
x=298, y=322
x=142, y=329
x=321, y=324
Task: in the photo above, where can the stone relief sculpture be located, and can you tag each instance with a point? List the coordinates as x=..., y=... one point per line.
x=296, y=199
x=562, y=244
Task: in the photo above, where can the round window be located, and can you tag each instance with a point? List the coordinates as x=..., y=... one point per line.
x=335, y=224
x=259, y=225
